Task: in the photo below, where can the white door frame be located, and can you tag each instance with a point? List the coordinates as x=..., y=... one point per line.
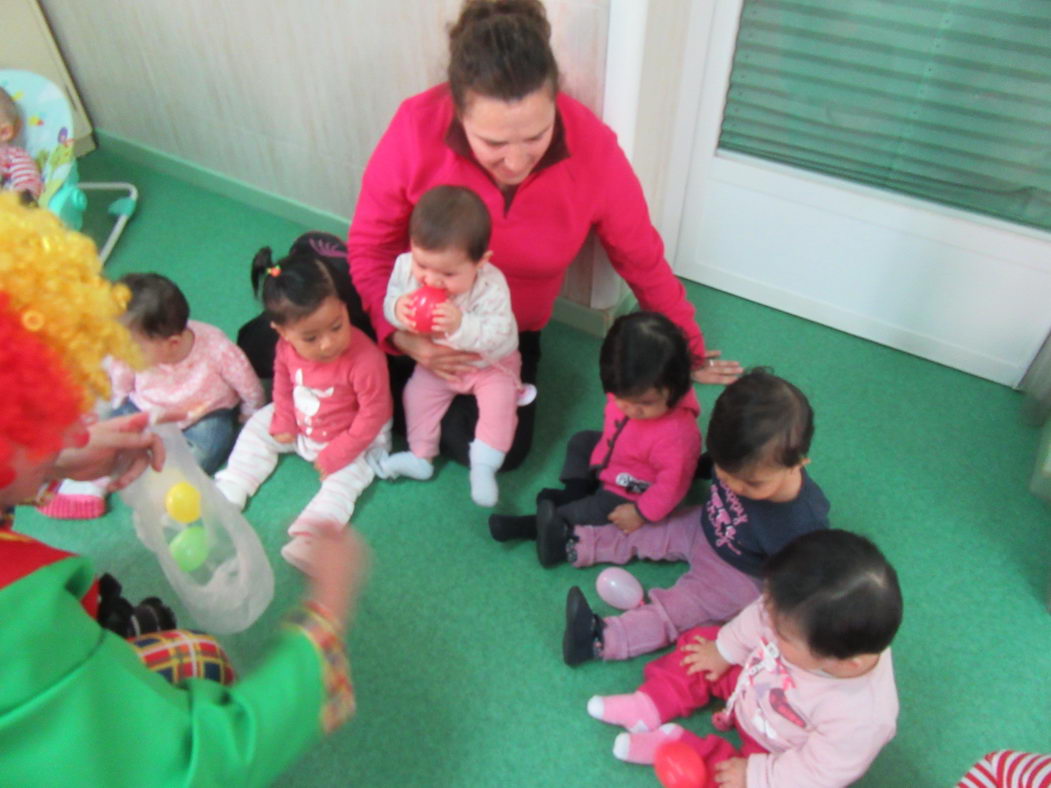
x=960, y=257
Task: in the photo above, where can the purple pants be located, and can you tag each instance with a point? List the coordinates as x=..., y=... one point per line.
x=710, y=592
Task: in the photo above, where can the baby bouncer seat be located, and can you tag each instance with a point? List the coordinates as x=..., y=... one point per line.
x=47, y=134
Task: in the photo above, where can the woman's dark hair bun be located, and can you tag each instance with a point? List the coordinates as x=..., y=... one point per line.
x=474, y=11
x=501, y=49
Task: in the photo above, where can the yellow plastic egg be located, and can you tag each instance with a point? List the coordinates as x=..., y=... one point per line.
x=183, y=502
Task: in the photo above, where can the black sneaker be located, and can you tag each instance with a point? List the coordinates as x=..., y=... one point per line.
x=583, y=632
x=151, y=615
x=552, y=535
x=557, y=496
x=505, y=527
x=115, y=612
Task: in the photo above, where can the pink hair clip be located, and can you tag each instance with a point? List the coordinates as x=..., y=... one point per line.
x=274, y=270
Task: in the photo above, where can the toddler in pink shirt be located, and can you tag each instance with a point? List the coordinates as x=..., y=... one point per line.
x=638, y=469
x=805, y=670
x=192, y=369
x=332, y=403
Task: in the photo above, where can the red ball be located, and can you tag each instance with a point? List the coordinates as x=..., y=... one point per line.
x=678, y=765
x=423, y=302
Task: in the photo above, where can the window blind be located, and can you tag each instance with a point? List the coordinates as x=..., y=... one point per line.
x=947, y=100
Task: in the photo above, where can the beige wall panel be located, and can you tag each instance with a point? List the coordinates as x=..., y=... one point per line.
x=287, y=96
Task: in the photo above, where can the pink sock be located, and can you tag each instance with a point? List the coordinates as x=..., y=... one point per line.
x=642, y=747
x=635, y=712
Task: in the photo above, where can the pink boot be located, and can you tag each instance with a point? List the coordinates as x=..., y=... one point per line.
x=635, y=712
x=76, y=501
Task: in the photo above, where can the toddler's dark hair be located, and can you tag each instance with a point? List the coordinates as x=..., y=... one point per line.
x=838, y=590
x=760, y=418
x=451, y=217
x=500, y=49
x=292, y=287
x=157, y=309
x=645, y=350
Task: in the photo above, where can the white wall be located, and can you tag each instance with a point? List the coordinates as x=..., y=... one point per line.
x=287, y=96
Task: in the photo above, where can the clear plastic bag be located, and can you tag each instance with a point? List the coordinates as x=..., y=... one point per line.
x=210, y=554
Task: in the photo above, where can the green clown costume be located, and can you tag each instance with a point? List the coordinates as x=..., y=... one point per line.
x=78, y=707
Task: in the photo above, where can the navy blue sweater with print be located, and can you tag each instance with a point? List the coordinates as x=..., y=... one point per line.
x=745, y=532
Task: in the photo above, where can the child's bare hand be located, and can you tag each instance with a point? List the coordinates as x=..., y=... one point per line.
x=403, y=311
x=627, y=518
x=447, y=318
x=321, y=471
x=732, y=772
x=338, y=566
x=284, y=437
x=703, y=657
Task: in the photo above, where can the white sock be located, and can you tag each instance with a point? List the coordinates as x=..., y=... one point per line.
x=405, y=463
x=485, y=462
x=234, y=493
x=484, y=489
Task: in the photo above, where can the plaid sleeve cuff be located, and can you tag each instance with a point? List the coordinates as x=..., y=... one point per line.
x=316, y=623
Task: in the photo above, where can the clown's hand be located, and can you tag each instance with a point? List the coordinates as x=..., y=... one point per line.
x=121, y=448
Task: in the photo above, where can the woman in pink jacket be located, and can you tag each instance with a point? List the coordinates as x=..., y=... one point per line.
x=549, y=172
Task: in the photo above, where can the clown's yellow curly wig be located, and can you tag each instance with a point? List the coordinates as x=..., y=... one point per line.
x=58, y=320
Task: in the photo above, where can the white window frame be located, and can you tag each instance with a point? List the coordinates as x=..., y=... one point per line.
x=945, y=239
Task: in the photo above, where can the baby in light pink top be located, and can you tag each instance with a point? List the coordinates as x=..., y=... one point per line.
x=192, y=369
x=805, y=670
x=214, y=375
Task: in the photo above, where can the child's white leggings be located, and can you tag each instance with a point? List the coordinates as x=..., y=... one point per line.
x=255, y=456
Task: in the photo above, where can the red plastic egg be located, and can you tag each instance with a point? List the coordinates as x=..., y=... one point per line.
x=678, y=765
x=423, y=302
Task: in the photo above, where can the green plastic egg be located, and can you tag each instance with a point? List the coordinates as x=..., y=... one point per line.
x=190, y=548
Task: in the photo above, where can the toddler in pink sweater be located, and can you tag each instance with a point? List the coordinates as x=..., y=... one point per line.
x=805, y=670
x=640, y=466
x=332, y=403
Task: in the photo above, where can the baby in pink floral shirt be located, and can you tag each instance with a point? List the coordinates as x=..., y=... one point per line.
x=18, y=171
x=192, y=369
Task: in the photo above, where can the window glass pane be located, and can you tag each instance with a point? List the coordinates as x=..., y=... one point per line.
x=948, y=101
